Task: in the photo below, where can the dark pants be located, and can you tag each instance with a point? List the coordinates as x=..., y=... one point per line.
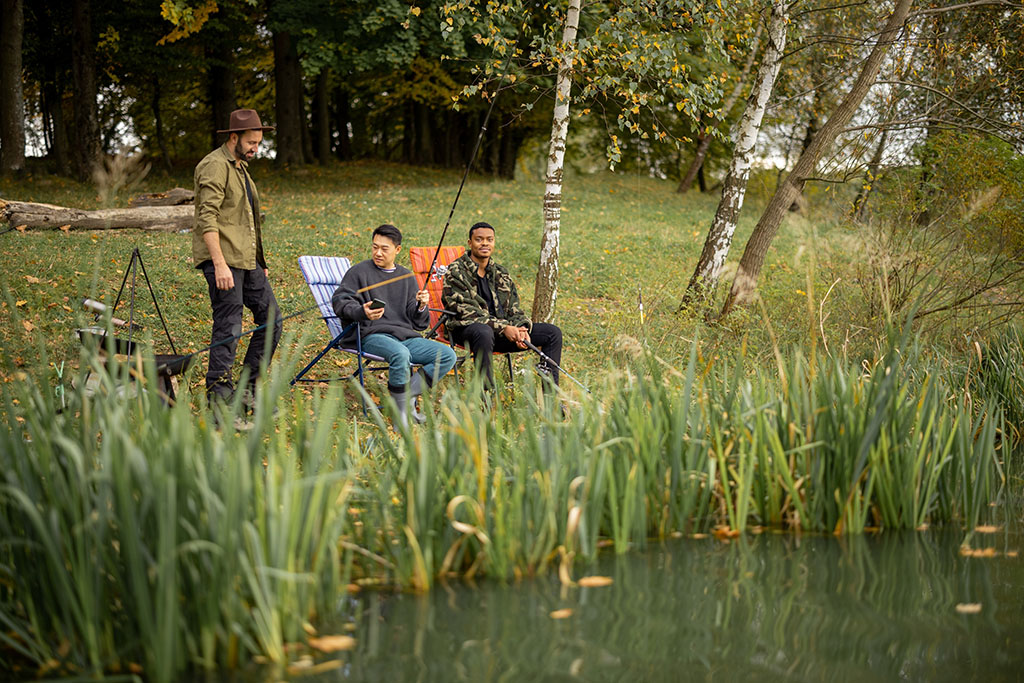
x=482, y=341
x=252, y=290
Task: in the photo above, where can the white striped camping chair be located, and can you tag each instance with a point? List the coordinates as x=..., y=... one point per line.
x=323, y=274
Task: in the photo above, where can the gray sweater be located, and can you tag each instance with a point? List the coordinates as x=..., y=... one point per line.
x=401, y=318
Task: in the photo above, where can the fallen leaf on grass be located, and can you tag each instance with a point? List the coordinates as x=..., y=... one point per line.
x=986, y=529
x=595, y=581
x=561, y=613
x=27, y=325
x=65, y=228
x=20, y=302
x=969, y=607
x=32, y=280
x=21, y=228
x=332, y=643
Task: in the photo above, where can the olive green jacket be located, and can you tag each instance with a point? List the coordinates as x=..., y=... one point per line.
x=460, y=296
x=222, y=206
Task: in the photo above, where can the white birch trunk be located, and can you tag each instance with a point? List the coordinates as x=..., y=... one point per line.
x=546, y=287
x=716, y=246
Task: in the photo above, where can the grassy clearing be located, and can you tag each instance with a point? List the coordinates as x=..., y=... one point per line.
x=141, y=537
x=620, y=232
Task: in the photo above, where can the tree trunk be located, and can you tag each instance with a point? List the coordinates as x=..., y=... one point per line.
x=164, y=218
x=12, y=103
x=86, y=150
x=158, y=123
x=342, y=119
x=53, y=110
x=323, y=118
x=288, y=95
x=705, y=276
x=308, y=156
x=546, y=288
x=408, y=133
x=869, y=181
x=220, y=90
x=704, y=139
x=749, y=271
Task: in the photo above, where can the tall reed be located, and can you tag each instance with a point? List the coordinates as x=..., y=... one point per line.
x=135, y=534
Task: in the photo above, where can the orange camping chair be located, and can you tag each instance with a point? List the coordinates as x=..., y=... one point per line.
x=421, y=258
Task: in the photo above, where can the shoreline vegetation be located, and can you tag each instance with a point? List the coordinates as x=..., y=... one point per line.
x=141, y=538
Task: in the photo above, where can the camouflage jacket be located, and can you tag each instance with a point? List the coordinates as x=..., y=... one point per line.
x=460, y=296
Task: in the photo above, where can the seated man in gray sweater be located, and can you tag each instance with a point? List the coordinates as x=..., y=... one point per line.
x=392, y=330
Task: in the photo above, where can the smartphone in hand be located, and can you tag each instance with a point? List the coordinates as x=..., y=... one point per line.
x=376, y=303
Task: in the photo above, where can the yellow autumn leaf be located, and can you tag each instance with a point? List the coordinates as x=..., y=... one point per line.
x=27, y=325
x=20, y=302
x=332, y=643
x=595, y=581
x=415, y=11
x=32, y=280
x=969, y=607
x=561, y=613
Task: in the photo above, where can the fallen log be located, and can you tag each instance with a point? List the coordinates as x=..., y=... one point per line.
x=158, y=218
x=178, y=195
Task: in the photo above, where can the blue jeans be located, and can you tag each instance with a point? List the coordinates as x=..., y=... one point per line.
x=435, y=358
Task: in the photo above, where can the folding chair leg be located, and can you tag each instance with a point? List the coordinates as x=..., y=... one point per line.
x=511, y=377
x=313, y=362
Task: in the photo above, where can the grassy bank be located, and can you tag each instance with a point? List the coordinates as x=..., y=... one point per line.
x=140, y=537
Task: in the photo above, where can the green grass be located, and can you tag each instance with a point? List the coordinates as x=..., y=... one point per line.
x=619, y=233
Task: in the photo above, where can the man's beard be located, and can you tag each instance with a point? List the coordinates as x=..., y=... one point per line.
x=239, y=152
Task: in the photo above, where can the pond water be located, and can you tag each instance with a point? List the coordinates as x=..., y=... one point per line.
x=762, y=608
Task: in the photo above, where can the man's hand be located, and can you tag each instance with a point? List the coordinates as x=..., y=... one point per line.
x=223, y=277
x=517, y=335
x=372, y=313
x=423, y=297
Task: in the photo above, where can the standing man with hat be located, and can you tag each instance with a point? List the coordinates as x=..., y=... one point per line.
x=227, y=246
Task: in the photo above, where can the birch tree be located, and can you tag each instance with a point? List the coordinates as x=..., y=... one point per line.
x=546, y=287
x=745, y=282
x=716, y=246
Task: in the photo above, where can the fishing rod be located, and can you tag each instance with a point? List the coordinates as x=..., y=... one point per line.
x=547, y=359
x=472, y=157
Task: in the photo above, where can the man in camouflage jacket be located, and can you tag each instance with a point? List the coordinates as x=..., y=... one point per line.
x=485, y=302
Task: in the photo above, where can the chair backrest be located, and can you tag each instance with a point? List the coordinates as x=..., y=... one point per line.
x=323, y=274
x=421, y=258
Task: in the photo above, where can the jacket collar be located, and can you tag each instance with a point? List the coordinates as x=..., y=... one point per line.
x=231, y=159
x=488, y=269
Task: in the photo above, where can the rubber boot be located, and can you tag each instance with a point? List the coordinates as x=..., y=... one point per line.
x=401, y=398
x=417, y=383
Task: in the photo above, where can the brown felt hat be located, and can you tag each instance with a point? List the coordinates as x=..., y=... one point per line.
x=243, y=120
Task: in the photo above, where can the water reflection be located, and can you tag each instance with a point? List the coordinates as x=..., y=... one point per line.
x=769, y=607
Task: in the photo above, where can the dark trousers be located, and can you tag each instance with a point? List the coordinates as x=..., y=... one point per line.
x=252, y=290
x=482, y=341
